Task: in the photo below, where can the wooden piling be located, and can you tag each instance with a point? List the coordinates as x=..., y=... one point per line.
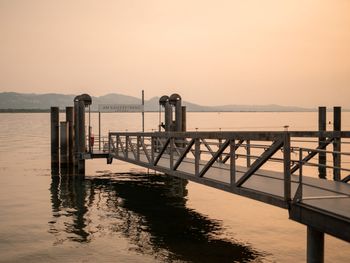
x=55, y=159
x=81, y=138
x=322, y=158
x=337, y=143
x=70, y=120
x=64, y=143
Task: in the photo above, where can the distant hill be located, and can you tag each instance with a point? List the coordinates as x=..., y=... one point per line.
x=12, y=101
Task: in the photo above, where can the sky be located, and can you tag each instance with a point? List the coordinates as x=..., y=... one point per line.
x=211, y=52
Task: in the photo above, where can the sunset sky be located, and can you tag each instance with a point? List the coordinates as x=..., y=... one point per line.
x=212, y=52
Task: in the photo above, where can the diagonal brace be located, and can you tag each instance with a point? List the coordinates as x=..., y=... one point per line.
x=214, y=158
x=161, y=152
x=235, y=148
x=260, y=161
x=311, y=155
x=208, y=147
x=145, y=150
x=121, y=146
x=183, y=155
x=132, y=148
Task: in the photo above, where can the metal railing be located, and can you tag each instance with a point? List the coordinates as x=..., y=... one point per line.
x=240, y=153
x=335, y=193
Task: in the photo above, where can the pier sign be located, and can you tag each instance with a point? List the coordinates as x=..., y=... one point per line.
x=120, y=108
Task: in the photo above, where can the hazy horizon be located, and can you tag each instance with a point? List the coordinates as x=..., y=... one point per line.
x=210, y=52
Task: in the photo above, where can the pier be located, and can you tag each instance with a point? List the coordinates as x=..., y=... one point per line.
x=287, y=169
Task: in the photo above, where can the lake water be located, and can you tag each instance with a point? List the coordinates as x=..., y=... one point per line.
x=120, y=213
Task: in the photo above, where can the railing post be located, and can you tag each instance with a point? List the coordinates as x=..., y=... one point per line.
x=152, y=149
x=117, y=144
x=138, y=138
x=126, y=146
x=248, y=153
x=286, y=165
x=321, y=140
x=336, y=143
x=197, y=155
x=301, y=173
x=232, y=163
x=109, y=143
x=172, y=149
x=220, y=157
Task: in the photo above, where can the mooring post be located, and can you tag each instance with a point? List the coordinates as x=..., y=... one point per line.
x=64, y=143
x=337, y=143
x=168, y=110
x=55, y=159
x=315, y=245
x=99, y=131
x=81, y=138
x=322, y=158
x=178, y=116
x=183, y=118
x=143, y=110
x=76, y=135
x=70, y=120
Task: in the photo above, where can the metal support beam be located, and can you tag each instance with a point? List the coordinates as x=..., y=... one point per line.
x=322, y=111
x=81, y=139
x=55, y=158
x=197, y=155
x=208, y=147
x=138, y=143
x=161, y=152
x=248, y=153
x=232, y=163
x=64, y=143
x=70, y=120
x=126, y=147
x=184, y=118
x=172, y=150
x=337, y=144
x=99, y=131
x=286, y=167
x=132, y=148
x=236, y=147
x=119, y=142
x=315, y=245
x=183, y=155
x=260, y=161
x=144, y=148
x=312, y=154
x=214, y=158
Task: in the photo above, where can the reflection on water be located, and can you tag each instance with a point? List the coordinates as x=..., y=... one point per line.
x=149, y=210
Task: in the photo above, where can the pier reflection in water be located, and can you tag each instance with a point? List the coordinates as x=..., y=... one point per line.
x=148, y=210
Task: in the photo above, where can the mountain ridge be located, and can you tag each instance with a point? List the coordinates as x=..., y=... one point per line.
x=13, y=101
